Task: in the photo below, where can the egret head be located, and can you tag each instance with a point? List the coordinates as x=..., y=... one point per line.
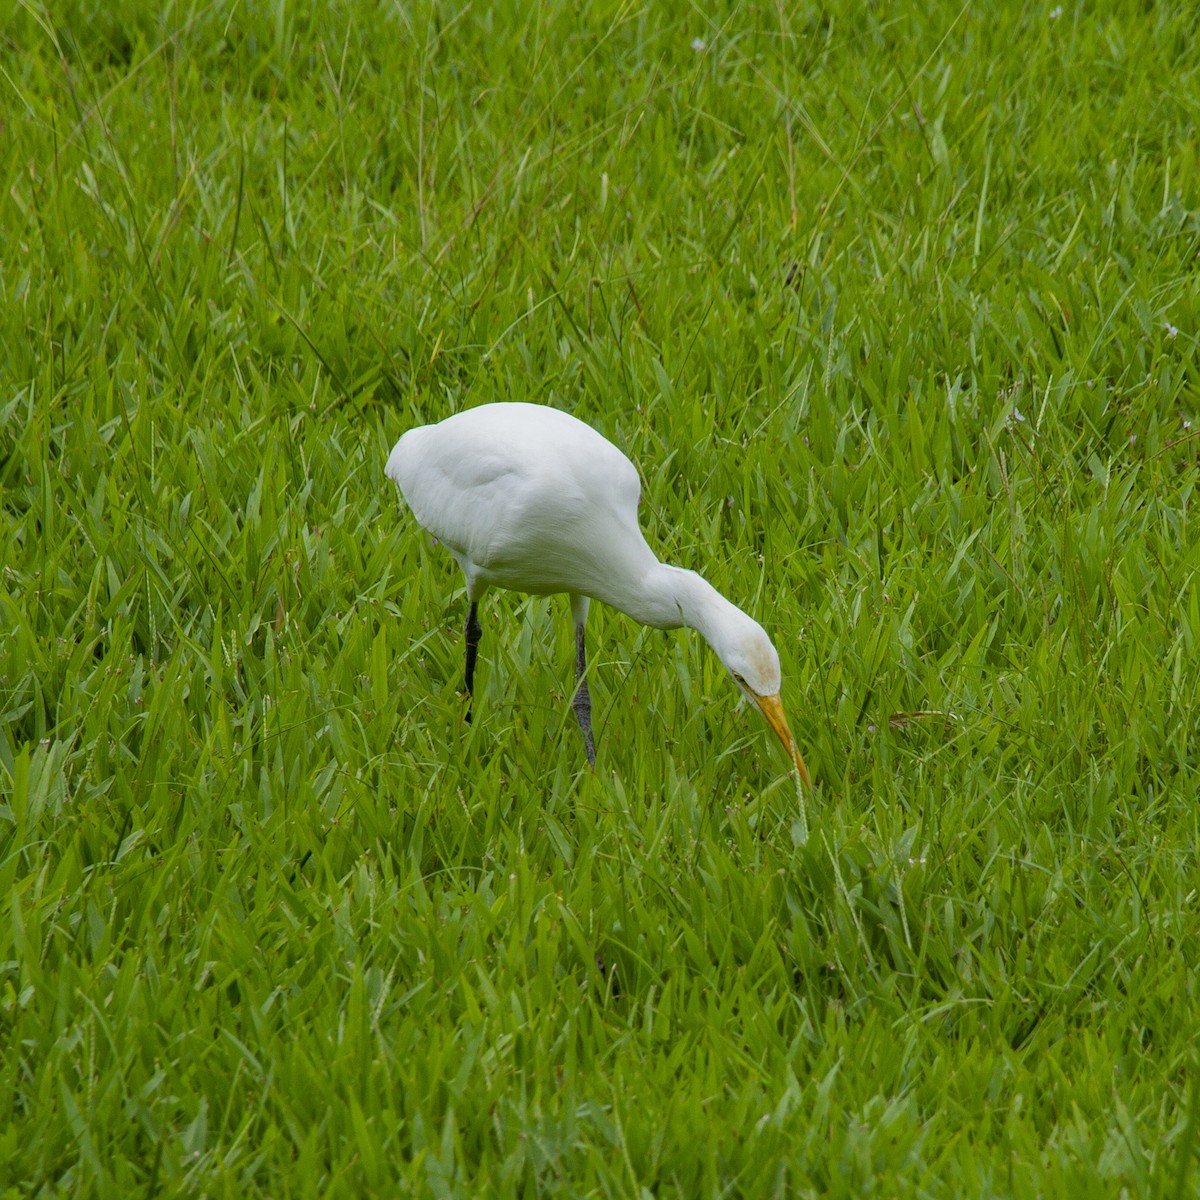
x=749, y=656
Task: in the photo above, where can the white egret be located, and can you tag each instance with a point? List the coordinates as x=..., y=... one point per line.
x=528, y=498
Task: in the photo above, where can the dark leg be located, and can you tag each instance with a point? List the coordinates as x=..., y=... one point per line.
x=583, y=698
x=474, y=631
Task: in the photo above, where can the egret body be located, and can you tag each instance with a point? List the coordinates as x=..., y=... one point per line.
x=528, y=498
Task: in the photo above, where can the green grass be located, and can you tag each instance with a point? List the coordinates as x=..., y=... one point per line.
x=897, y=309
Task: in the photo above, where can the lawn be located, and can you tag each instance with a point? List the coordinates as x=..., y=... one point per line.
x=896, y=307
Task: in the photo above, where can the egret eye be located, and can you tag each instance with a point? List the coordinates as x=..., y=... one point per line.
x=738, y=679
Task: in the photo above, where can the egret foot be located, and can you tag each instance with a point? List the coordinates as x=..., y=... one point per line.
x=582, y=704
x=474, y=632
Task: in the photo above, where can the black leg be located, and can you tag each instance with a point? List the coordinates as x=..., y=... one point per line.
x=583, y=698
x=474, y=631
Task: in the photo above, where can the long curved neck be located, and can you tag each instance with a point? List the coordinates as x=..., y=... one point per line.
x=668, y=597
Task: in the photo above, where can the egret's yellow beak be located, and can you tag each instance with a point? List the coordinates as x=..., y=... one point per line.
x=772, y=709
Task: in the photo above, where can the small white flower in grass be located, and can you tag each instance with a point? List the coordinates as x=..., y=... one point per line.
x=1056, y=12
x=1018, y=415
x=697, y=44
x=1171, y=330
x=1132, y=438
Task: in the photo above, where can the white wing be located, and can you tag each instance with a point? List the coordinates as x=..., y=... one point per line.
x=526, y=497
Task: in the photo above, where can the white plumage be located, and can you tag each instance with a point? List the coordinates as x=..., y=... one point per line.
x=528, y=498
